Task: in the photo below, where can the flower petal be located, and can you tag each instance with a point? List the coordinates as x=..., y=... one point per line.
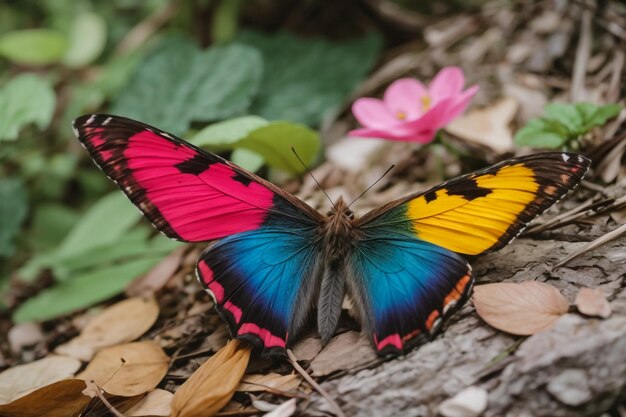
x=373, y=113
x=447, y=83
x=459, y=105
x=403, y=96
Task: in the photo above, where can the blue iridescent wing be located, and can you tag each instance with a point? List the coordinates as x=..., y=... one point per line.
x=263, y=282
x=404, y=287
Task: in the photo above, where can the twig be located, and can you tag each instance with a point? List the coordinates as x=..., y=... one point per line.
x=583, y=51
x=315, y=385
x=571, y=216
x=146, y=28
x=599, y=241
x=106, y=402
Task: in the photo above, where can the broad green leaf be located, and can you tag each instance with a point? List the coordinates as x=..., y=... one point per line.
x=105, y=222
x=13, y=209
x=179, y=83
x=33, y=46
x=247, y=159
x=88, y=36
x=51, y=222
x=82, y=291
x=222, y=134
x=564, y=123
x=274, y=141
x=306, y=78
x=23, y=100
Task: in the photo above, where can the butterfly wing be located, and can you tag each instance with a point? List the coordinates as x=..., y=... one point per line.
x=187, y=193
x=263, y=282
x=483, y=211
x=404, y=287
x=405, y=273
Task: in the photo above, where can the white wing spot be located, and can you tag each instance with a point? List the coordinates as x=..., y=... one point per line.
x=565, y=157
x=108, y=119
x=91, y=119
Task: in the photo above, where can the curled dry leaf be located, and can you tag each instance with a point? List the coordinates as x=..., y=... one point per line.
x=522, y=309
x=59, y=399
x=471, y=402
x=120, y=323
x=20, y=380
x=592, y=302
x=156, y=403
x=488, y=126
x=213, y=383
x=346, y=351
x=273, y=381
x=129, y=369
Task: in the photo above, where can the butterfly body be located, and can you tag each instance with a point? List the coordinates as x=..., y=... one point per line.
x=275, y=262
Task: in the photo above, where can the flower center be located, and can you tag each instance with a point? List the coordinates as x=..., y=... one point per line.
x=426, y=102
x=400, y=115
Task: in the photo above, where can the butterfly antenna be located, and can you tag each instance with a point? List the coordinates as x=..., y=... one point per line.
x=311, y=174
x=370, y=187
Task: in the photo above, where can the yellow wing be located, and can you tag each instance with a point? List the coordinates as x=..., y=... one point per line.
x=483, y=211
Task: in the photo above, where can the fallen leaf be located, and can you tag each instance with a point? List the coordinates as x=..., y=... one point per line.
x=156, y=403
x=488, y=126
x=522, y=309
x=471, y=402
x=129, y=369
x=157, y=277
x=213, y=383
x=592, y=302
x=272, y=381
x=120, y=323
x=307, y=349
x=20, y=380
x=346, y=351
x=286, y=409
x=24, y=334
x=59, y=399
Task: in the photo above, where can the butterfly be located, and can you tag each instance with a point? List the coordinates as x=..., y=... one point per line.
x=274, y=261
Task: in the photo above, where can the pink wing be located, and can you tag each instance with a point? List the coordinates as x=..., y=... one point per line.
x=187, y=193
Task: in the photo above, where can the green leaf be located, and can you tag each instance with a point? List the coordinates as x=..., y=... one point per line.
x=274, y=141
x=247, y=159
x=13, y=209
x=88, y=36
x=33, y=46
x=82, y=291
x=564, y=123
x=105, y=222
x=51, y=222
x=222, y=134
x=306, y=78
x=179, y=83
x=23, y=100
x=225, y=21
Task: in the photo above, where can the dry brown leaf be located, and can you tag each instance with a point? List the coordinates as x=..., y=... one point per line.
x=20, y=380
x=273, y=381
x=156, y=403
x=127, y=370
x=120, y=323
x=59, y=399
x=346, y=351
x=213, y=383
x=592, y=302
x=522, y=309
x=488, y=126
x=157, y=277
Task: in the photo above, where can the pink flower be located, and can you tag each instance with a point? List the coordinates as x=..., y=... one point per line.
x=411, y=112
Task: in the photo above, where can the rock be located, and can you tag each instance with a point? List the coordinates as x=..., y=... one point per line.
x=471, y=402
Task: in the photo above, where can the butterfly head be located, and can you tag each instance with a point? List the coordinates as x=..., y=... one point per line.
x=342, y=210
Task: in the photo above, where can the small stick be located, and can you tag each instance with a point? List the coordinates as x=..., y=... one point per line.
x=315, y=385
x=599, y=241
x=106, y=402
